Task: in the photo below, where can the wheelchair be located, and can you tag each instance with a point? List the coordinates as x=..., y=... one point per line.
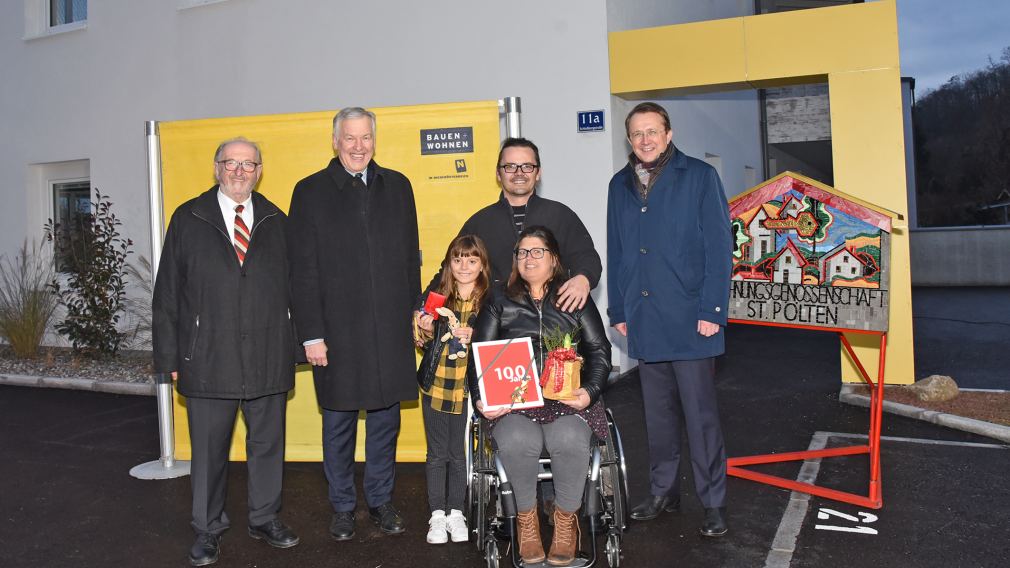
x=492, y=511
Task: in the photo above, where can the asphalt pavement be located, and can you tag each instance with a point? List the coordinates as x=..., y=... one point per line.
x=68, y=500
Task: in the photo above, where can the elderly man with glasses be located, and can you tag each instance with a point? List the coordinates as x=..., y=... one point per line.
x=221, y=328
x=519, y=206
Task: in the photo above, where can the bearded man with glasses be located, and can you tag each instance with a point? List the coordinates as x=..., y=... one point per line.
x=519, y=206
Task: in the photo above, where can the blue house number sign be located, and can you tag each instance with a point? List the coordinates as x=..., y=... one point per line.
x=590, y=120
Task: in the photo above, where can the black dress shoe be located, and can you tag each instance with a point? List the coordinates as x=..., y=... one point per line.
x=715, y=524
x=276, y=533
x=342, y=526
x=387, y=517
x=205, y=550
x=653, y=506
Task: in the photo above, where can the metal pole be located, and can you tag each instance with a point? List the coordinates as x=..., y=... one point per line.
x=166, y=467
x=512, y=107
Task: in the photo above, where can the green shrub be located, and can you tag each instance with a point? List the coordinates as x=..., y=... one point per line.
x=95, y=285
x=26, y=302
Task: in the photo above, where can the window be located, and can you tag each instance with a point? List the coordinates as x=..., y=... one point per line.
x=71, y=208
x=63, y=12
x=789, y=259
x=845, y=258
x=764, y=247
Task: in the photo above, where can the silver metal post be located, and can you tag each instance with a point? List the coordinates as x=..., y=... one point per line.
x=166, y=467
x=512, y=107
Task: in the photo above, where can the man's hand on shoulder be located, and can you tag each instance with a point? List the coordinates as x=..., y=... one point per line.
x=316, y=354
x=573, y=294
x=707, y=328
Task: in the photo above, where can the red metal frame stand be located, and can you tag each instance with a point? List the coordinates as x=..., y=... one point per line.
x=874, y=499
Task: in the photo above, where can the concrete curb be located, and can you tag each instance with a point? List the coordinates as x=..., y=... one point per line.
x=113, y=387
x=847, y=395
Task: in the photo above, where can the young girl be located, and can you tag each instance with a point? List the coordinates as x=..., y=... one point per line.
x=466, y=274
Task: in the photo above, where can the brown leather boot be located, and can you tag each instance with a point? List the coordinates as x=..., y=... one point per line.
x=531, y=548
x=566, y=537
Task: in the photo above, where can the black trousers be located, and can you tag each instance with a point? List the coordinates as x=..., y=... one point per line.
x=340, y=431
x=679, y=396
x=445, y=462
x=211, y=425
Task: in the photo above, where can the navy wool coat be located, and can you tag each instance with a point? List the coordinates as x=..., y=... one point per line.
x=669, y=260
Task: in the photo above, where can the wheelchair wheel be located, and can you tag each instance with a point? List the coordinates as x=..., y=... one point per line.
x=619, y=471
x=491, y=553
x=613, y=550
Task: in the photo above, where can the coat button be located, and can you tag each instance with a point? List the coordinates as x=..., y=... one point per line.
x=718, y=309
x=643, y=251
x=644, y=209
x=645, y=293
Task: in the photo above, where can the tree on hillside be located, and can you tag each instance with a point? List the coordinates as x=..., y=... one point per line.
x=962, y=146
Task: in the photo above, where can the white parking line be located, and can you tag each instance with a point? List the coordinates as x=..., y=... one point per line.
x=784, y=544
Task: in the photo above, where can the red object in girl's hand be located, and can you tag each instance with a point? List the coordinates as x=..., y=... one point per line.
x=432, y=303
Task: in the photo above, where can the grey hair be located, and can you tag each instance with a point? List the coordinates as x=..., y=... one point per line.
x=237, y=140
x=352, y=112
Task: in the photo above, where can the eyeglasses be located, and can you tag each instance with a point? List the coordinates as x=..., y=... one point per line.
x=638, y=135
x=247, y=166
x=511, y=168
x=537, y=252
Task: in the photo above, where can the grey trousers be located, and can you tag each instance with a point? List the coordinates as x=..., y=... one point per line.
x=211, y=423
x=680, y=396
x=520, y=441
x=445, y=463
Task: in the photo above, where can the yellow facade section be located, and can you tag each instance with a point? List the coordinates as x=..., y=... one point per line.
x=854, y=48
x=296, y=145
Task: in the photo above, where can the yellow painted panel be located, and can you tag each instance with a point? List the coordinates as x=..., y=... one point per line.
x=296, y=145
x=869, y=161
x=672, y=57
x=822, y=41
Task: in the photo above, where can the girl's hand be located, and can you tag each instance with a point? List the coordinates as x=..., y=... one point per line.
x=492, y=414
x=465, y=334
x=581, y=400
x=424, y=321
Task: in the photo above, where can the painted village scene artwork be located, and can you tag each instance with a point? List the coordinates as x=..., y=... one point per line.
x=808, y=255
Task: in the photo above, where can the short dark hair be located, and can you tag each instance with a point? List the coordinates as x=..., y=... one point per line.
x=645, y=107
x=519, y=143
x=516, y=286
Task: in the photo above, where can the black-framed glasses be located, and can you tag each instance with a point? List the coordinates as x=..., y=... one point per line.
x=232, y=165
x=536, y=252
x=526, y=168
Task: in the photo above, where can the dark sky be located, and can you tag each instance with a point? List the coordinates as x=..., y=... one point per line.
x=943, y=38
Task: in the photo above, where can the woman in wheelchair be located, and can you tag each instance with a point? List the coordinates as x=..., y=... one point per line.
x=526, y=308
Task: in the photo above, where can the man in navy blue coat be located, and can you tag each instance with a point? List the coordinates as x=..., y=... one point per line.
x=669, y=251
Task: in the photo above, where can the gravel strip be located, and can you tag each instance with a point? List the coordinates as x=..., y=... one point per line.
x=848, y=395
x=60, y=362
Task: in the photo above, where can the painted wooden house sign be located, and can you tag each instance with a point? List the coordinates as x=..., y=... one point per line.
x=806, y=254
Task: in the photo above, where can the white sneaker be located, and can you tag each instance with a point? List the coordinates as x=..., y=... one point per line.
x=437, y=532
x=457, y=526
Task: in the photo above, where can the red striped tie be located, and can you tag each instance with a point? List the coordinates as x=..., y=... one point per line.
x=241, y=235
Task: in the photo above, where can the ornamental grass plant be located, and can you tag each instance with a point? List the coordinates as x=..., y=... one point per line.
x=26, y=301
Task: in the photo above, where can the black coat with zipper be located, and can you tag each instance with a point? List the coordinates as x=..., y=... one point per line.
x=506, y=318
x=225, y=327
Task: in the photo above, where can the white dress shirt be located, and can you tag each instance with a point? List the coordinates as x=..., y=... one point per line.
x=228, y=212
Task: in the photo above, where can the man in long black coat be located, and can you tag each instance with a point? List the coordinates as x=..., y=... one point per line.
x=222, y=328
x=355, y=274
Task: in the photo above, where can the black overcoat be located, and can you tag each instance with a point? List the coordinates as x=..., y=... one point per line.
x=226, y=328
x=355, y=274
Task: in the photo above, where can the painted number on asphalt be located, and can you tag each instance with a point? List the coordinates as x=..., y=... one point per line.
x=865, y=518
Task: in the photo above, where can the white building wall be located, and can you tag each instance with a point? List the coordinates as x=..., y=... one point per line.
x=85, y=94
